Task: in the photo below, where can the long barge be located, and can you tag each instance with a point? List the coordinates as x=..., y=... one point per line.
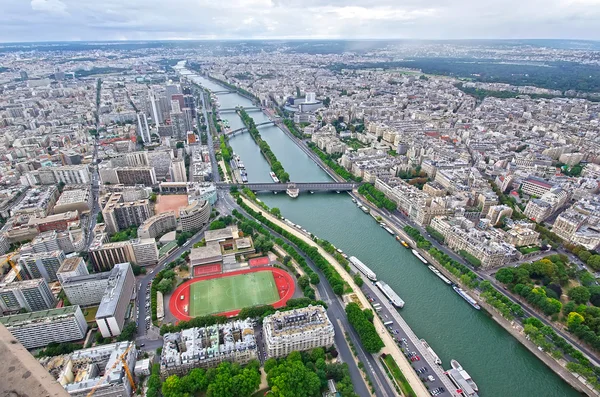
x=364, y=269
x=391, y=294
x=415, y=253
x=439, y=274
x=466, y=297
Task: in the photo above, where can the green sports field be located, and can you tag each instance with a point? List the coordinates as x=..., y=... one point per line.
x=232, y=293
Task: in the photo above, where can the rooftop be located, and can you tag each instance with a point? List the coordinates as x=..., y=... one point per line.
x=221, y=234
x=114, y=290
x=17, y=319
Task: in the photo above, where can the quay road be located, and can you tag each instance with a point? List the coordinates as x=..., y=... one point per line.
x=337, y=315
x=398, y=220
x=413, y=344
x=211, y=151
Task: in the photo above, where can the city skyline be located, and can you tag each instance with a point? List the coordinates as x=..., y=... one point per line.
x=67, y=20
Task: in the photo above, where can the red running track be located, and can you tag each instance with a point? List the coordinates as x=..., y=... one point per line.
x=284, y=282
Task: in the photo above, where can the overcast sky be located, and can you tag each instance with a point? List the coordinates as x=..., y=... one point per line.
x=53, y=20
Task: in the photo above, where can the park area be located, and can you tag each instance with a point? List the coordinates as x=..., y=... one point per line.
x=226, y=294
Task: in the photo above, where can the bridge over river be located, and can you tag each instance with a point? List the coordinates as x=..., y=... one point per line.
x=303, y=187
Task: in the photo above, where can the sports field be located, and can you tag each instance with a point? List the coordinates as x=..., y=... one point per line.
x=226, y=294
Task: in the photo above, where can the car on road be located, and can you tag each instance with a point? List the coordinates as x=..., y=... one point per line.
x=142, y=344
x=431, y=378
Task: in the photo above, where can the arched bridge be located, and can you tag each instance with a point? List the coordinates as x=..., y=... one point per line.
x=303, y=187
x=233, y=132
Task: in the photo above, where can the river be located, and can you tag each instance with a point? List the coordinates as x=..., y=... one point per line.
x=499, y=364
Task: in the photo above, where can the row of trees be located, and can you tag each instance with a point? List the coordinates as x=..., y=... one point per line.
x=276, y=166
x=376, y=197
x=332, y=276
x=226, y=380
x=124, y=235
x=592, y=259
x=362, y=322
x=225, y=149
x=331, y=163
x=292, y=127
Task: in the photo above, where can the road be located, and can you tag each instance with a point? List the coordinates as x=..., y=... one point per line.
x=337, y=315
x=213, y=159
x=407, y=339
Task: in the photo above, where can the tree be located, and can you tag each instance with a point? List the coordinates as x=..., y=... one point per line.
x=505, y=275
x=579, y=294
x=128, y=332
x=263, y=244
x=292, y=378
x=217, y=225
x=358, y=280
x=179, y=145
x=574, y=320
x=316, y=354
x=172, y=387
x=153, y=198
x=165, y=285
x=594, y=262
x=584, y=255
x=303, y=282
x=276, y=212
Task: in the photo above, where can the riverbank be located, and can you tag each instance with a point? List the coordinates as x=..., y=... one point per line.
x=390, y=346
x=516, y=331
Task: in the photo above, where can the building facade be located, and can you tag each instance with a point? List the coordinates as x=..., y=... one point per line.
x=193, y=217
x=38, y=329
x=297, y=330
x=43, y=265
x=31, y=295
x=110, y=316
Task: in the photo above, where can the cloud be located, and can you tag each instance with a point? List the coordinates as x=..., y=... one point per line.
x=244, y=19
x=49, y=6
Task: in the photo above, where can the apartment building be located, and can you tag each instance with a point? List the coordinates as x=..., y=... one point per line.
x=105, y=256
x=71, y=267
x=43, y=265
x=75, y=200
x=144, y=251
x=136, y=176
x=158, y=225
x=86, y=289
x=193, y=217
x=31, y=295
x=67, y=174
x=297, y=330
x=110, y=316
x=206, y=347
x=56, y=222
x=38, y=329
x=119, y=214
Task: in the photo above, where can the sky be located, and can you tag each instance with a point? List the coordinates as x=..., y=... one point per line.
x=68, y=20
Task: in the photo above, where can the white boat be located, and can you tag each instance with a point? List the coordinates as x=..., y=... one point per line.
x=292, y=190
x=430, y=350
x=464, y=374
x=415, y=253
x=391, y=294
x=364, y=269
x=439, y=274
x=274, y=177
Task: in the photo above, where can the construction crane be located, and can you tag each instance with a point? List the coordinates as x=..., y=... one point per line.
x=13, y=265
x=120, y=359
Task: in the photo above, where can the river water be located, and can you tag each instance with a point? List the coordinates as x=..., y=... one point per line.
x=499, y=364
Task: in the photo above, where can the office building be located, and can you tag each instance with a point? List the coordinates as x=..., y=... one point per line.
x=31, y=295
x=71, y=267
x=86, y=289
x=160, y=160
x=158, y=225
x=156, y=113
x=207, y=347
x=145, y=251
x=179, y=125
x=178, y=170
x=110, y=316
x=43, y=265
x=297, y=330
x=98, y=370
x=119, y=214
x=38, y=329
x=194, y=216
x=70, y=157
x=75, y=200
